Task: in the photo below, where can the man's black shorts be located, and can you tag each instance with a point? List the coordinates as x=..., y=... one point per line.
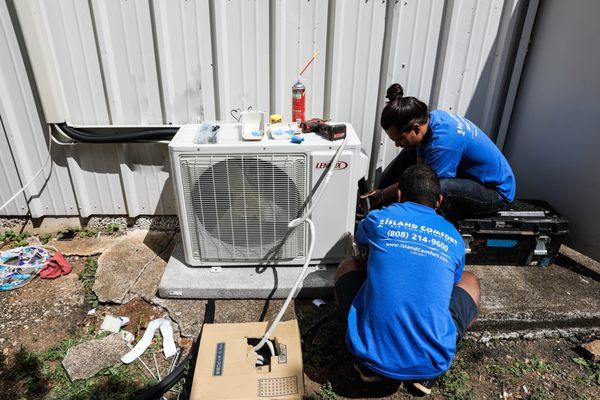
x=462, y=306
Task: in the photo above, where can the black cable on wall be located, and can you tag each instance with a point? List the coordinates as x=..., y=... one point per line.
x=86, y=136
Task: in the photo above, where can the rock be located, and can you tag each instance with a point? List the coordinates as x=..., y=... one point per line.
x=132, y=265
x=189, y=314
x=592, y=350
x=84, y=247
x=88, y=358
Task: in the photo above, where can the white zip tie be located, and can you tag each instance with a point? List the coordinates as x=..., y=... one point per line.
x=143, y=363
x=156, y=365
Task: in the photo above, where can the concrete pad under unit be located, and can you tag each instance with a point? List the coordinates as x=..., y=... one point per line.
x=182, y=281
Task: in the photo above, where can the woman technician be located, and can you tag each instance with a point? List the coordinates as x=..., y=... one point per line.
x=475, y=177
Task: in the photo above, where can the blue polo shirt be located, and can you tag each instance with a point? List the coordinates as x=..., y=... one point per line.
x=399, y=324
x=457, y=148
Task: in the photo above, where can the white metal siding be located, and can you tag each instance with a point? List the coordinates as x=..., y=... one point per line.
x=300, y=31
x=414, y=50
x=50, y=194
x=358, y=29
x=175, y=62
x=183, y=40
x=242, y=47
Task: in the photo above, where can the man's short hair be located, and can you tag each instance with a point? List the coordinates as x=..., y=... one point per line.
x=420, y=184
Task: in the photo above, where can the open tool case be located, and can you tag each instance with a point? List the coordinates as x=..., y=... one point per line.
x=528, y=233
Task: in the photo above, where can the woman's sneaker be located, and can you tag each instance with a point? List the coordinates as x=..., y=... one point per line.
x=423, y=387
x=366, y=375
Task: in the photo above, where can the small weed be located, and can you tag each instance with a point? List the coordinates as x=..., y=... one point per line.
x=326, y=393
x=88, y=232
x=44, y=239
x=592, y=368
x=520, y=368
x=455, y=384
x=87, y=277
x=14, y=239
x=113, y=228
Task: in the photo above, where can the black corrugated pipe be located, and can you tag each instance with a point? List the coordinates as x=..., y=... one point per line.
x=86, y=136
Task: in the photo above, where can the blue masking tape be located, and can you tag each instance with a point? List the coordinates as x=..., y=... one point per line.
x=501, y=243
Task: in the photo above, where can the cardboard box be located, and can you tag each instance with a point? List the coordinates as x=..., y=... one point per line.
x=226, y=365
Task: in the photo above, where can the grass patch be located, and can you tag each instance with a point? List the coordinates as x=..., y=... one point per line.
x=87, y=277
x=538, y=393
x=43, y=374
x=520, y=368
x=455, y=384
x=14, y=239
x=591, y=368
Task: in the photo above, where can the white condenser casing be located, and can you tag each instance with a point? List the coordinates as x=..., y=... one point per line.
x=236, y=198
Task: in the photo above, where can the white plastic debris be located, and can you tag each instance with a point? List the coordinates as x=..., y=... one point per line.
x=92, y=312
x=113, y=324
x=128, y=336
x=318, y=302
x=166, y=330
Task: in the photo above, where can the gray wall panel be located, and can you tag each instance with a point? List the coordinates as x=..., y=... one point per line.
x=553, y=137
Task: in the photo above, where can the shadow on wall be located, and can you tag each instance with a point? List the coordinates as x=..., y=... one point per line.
x=487, y=103
x=553, y=140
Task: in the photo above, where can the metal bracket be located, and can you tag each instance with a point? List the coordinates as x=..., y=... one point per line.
x=468, y=239
x=541, y=246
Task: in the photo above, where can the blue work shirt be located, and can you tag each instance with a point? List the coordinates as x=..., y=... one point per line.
x=399, y=324
x=457, y=148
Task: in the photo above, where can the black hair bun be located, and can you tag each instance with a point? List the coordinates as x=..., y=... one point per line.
x=394, y=92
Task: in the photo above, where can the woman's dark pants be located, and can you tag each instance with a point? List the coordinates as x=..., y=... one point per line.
x=463, y=198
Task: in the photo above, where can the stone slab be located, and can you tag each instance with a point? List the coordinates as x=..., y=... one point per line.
x=184, y=282
x=132, y=266
x=88, y=358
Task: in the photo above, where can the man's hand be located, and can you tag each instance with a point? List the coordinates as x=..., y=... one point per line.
x=378, y=198
x=372, y=200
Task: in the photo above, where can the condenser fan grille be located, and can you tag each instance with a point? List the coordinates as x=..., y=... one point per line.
x=238, y=207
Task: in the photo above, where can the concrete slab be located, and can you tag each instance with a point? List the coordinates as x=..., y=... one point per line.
x=533, y=298
x=132, y=266
x=514, y=298
x=181, y=281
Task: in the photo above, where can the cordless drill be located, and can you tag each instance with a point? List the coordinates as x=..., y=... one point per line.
x=324, y=129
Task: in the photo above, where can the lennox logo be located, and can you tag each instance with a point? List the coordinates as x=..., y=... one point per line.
x=338, y=165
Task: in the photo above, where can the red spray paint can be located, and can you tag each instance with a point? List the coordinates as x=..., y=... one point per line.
x=298, y=101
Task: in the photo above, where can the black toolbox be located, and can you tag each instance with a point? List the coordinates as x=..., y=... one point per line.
x=530, y=232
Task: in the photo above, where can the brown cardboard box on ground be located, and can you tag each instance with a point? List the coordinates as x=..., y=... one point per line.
x=226, y=370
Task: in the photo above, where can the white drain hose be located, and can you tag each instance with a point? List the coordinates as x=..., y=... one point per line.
x=293, y=224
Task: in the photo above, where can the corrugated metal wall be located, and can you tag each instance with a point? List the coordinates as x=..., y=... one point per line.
x=115, y=62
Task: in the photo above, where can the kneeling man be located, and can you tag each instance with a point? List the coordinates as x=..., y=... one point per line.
x=408, y=307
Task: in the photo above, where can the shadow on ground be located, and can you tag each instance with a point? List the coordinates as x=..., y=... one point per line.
x=326, y=358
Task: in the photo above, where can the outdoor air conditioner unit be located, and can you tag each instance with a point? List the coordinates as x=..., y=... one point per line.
x=237, y=197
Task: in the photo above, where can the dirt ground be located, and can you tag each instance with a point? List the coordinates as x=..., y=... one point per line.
x=40, y=321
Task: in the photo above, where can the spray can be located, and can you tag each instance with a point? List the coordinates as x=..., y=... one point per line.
x=298, y=101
